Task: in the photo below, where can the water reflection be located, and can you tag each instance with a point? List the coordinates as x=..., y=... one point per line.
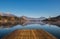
x=12, y=25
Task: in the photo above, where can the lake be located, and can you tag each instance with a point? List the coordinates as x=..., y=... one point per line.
x=54, y=30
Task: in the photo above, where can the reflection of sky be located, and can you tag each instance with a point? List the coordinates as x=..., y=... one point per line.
x=31, y=8
x=52, y=29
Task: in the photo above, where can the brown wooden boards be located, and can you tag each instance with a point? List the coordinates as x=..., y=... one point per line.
x=29, y=34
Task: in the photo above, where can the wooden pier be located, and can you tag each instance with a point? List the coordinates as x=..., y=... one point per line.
x=29, y=34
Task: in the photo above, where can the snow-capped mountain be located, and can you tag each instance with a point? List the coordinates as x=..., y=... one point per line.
x=6, y=14
x=42, y=18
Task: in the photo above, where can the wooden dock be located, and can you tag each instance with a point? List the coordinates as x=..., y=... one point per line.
x=29, y=34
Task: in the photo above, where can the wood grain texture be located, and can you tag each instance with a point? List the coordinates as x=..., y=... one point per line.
x=29, y=34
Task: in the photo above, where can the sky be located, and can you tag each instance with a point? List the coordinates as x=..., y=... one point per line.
x=31, y=8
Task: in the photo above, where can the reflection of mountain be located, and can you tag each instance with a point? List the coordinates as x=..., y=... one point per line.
x=53, y=20
x=30, y=20
x=29, y=34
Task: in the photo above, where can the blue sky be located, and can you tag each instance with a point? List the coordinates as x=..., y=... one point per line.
x=31, y=8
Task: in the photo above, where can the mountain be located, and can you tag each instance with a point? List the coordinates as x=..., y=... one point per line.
x=6, y=14
x=58, y=17
x=42, y=18
x=53, y=20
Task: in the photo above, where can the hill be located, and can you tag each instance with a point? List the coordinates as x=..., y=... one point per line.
x=53, y=20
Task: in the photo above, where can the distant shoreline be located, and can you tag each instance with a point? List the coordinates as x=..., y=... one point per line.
x=52, y=21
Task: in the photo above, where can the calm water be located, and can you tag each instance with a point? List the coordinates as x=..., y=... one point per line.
x=54, y=30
